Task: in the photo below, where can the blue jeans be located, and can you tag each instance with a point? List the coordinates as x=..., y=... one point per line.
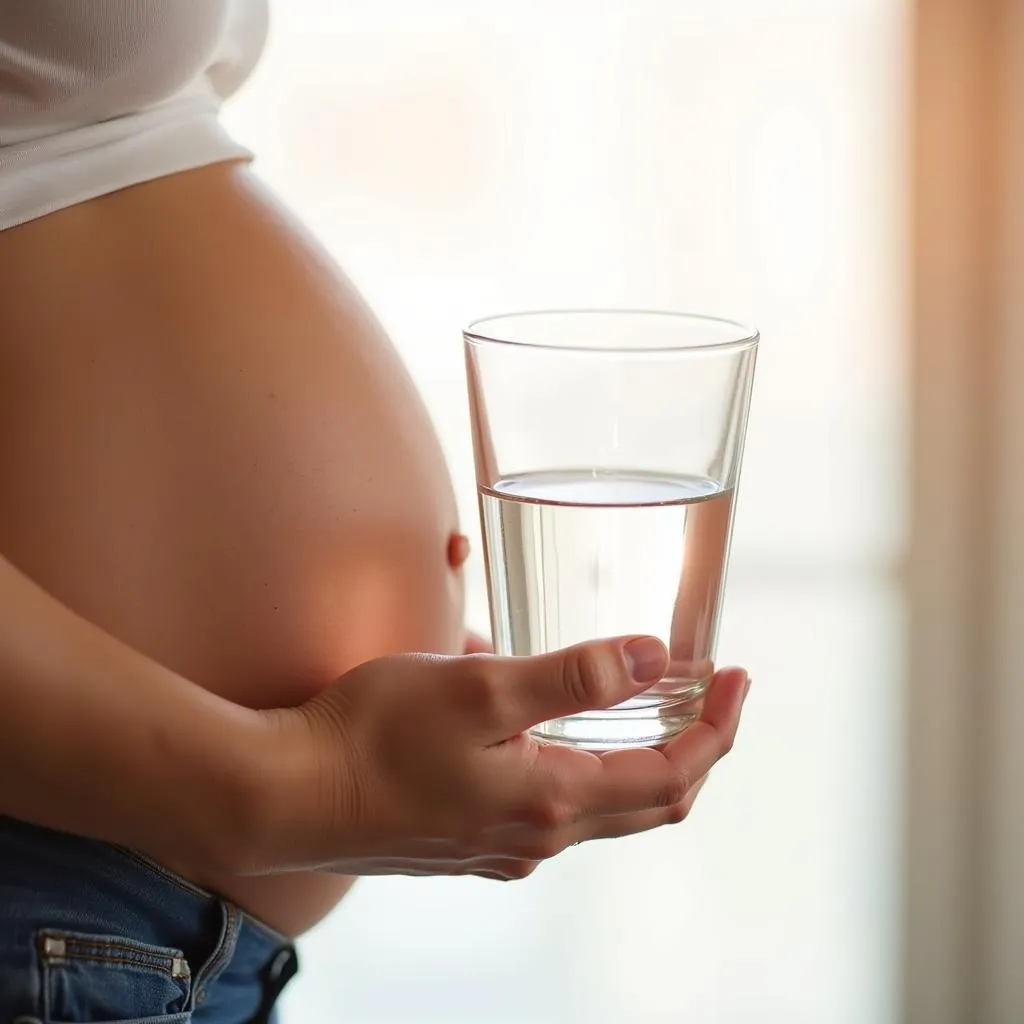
x=91, y=932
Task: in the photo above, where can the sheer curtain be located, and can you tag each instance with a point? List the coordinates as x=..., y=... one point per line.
x=466, y=157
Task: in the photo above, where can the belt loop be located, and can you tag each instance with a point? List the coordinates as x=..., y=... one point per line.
x=231, y=925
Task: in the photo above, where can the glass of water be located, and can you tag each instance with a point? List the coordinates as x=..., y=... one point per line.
x=608, y=446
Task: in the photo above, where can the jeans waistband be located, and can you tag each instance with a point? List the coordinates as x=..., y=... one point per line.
x=54, y=883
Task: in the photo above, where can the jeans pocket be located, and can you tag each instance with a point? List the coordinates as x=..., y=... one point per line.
x=108, y=979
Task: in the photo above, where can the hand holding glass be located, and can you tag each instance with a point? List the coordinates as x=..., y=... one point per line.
x=608, y=447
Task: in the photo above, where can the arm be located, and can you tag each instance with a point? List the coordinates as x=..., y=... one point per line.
x=98, y=740
x=406, y=765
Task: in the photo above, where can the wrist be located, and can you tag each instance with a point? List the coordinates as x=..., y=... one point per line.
x=234, y=825
x=278, y=790
x=210, y=779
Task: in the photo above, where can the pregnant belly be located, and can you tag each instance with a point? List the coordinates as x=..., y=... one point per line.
x=208, y=449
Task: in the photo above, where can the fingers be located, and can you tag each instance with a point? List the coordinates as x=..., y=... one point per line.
x=574, y=784
x=585, y=796
x=539, y=846
x=568, y=795
x=536, y=847
x=616, y=826
x=523, y=692
x=691, y=796
x=694, y=753
x=612, y=783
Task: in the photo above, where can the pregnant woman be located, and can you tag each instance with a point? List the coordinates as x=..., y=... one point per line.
x=224, y=517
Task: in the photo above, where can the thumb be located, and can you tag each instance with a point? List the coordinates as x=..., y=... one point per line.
x=593, y=675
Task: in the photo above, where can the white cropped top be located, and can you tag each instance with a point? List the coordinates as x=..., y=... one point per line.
x=97, y=95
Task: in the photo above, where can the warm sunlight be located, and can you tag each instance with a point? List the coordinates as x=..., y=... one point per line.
x=745, y=159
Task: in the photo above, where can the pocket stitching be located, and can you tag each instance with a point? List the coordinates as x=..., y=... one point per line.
x=112, y=952
x=113, y=949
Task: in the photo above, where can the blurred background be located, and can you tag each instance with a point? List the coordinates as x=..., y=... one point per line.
x=753, y=159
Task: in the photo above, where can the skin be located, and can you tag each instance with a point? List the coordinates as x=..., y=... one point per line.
x=185, y=370
x=220, y=494
x=405, y=794
x=409, y=764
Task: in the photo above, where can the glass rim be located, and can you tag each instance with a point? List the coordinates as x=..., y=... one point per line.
x=747, y=336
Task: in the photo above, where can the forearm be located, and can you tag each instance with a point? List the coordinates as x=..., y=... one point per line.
x=98, y=740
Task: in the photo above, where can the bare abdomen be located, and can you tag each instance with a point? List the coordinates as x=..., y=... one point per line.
x=208, y=449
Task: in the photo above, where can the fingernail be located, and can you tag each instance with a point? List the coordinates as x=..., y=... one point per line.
x=646, y=659
x=746, y=688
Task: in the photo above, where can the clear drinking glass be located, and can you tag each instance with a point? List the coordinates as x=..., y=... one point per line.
x=608, y=446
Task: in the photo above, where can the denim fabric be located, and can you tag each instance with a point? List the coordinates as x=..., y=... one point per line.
x=93, y=933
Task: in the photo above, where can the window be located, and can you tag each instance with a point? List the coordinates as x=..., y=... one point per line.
x=742, y=157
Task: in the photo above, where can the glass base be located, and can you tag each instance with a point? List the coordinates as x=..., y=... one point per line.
x=648, y=720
